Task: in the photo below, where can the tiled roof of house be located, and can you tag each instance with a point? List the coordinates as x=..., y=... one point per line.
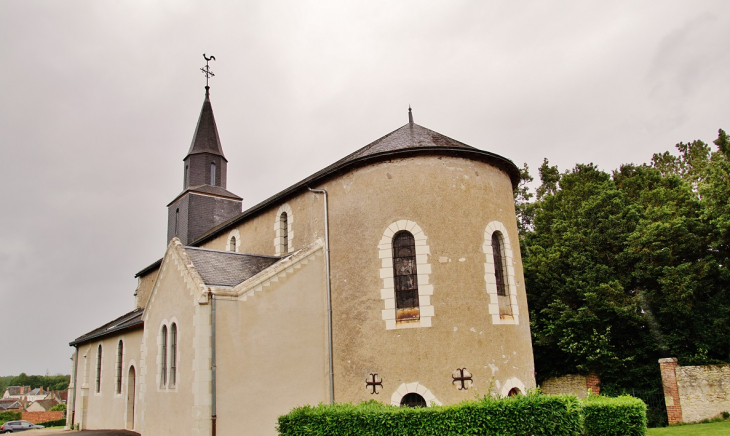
x=131, y=320
x=227, y=268
x=45, y=404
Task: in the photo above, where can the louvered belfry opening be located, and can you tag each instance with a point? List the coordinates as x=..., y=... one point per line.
x=405, y=276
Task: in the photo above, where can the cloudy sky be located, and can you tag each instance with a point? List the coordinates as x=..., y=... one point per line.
x=100, y=100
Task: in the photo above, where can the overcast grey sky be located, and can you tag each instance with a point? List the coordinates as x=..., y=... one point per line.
x=100, y=100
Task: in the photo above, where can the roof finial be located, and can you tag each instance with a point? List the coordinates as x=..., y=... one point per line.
x=207, y=72
x=410, y=115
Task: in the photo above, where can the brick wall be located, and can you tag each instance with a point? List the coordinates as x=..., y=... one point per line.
x=671, y=392
x=703, y=391
x=37, y=417
x=574, y=384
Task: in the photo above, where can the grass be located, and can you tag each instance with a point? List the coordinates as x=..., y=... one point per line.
x=710, y=429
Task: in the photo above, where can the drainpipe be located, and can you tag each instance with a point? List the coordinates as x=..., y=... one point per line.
x=212, y=361
x=73, y=401
x=329, y=292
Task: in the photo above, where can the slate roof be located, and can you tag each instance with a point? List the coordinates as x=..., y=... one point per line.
x=10, y=403
x=205, y=138
x=16, y=390
x=408, y=140
x=227, y=268
x=131, y=320
x=208, y=189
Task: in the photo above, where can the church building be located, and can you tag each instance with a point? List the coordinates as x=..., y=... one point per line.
x=393, y=275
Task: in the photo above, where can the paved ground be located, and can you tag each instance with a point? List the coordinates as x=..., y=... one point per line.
x=60, y=432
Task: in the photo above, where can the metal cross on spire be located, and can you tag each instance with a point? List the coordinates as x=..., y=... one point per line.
x=206, y=70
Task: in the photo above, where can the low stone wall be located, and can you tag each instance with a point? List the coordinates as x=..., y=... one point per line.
x=694, y=393
x=38, y=417
x=574, y=384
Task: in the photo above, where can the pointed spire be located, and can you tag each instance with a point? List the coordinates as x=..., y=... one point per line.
x=410, y=115
x=206, y=139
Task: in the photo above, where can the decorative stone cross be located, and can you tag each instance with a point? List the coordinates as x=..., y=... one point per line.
x=374, y=383
x=461, y=375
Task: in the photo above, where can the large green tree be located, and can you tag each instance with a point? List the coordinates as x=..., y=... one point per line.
x=624, y=268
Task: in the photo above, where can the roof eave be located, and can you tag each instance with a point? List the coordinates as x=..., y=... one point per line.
x=82, y=340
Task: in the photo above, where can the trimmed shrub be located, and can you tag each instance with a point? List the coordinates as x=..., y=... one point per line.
x=521, y=415
x=54, y=423
x=605, y=416
x=10, y=416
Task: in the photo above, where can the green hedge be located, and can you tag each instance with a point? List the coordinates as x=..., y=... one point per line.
x=606, y=416
x=53, y=423
x=534, y=415
x=9, y=416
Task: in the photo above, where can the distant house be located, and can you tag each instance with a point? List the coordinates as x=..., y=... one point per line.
x=10, y=404
x=16, y=392
x=42, y=405
x=35, y=395
x=60, y=396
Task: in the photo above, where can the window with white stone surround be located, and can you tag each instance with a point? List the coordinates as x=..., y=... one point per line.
x=499, y=275
x=284, y=235
x=416, y=258
x=413, y=388
x=234, y=240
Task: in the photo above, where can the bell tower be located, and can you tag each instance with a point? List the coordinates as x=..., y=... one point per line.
x=204, y=202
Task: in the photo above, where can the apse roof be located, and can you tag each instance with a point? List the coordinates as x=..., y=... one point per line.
x=227, y=268
x=408, y=140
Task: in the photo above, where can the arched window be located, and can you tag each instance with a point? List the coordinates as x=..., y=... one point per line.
x=500, y=274
x=514, y=392
x=120, y=354
x=232, y=244
x=284, y=231
x=177, y=219
x=173, y=354
x=405, y=277
x=98, y=369
x=185, y=178
x=163, y=357
x=413, y=400
x=212, y=173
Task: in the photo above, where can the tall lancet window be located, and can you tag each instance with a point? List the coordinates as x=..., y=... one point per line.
x=120, y=355
x=284, y=232
x=500, y=273
x=98, y=369
x=212, y=173
x=232, y=244
x=185, y=178
x=173, y=354
x=405, y=277
x=163, y=357
x=177, y=219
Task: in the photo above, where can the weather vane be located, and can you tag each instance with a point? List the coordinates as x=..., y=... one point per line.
x=206, y=70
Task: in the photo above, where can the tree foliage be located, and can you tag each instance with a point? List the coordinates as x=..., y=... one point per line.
x=624, y=268
x=47, y=382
